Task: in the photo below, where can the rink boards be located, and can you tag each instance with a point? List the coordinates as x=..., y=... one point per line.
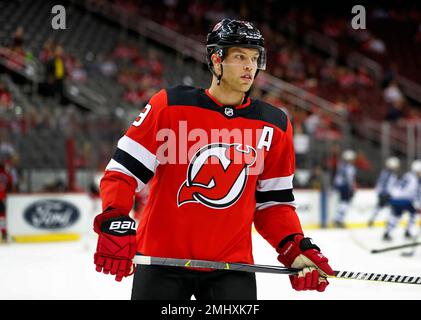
x=67, y=216
x=317, y=209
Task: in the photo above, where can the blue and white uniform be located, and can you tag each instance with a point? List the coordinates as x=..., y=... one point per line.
x=344, y=180
x=405, y=196
x=388, y=177
x=344, y=183
x=384, y=183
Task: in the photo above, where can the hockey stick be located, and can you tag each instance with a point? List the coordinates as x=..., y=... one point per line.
x=407, y=245
x=188, y=263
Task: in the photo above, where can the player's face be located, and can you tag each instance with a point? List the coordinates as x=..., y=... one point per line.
x=240, y=66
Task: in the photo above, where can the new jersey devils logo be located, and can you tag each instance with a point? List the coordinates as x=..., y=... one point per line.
x=217, y=175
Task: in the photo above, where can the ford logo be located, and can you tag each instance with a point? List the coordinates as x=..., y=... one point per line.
x=51, y=214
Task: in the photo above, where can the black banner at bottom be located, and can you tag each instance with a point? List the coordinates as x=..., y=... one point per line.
x=261, y=309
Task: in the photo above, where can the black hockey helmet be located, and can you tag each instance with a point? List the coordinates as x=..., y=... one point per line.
x=234, y=33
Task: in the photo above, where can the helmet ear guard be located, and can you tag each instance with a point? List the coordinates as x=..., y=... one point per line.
x=220, y=55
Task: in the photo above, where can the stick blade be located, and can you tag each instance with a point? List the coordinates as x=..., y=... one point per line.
x=407, y=254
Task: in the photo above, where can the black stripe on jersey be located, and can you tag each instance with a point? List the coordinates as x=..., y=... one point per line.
x=257, y=110
x=133, y=165
x=277, y=196
x=266, y=112
x=184, y=96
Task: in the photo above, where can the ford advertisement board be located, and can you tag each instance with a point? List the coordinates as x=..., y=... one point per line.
x=51, y=214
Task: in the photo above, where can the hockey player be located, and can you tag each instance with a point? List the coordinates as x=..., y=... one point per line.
x=216, y=161
x=5, y=187
x=405, y=196
x=387, y=178
x=345, y=185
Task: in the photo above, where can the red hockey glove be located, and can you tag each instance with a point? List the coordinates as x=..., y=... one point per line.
x=298, y=252
x=116, y=245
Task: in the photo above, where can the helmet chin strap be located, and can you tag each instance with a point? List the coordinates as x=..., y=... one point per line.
x=219, y=60
x=219, y=77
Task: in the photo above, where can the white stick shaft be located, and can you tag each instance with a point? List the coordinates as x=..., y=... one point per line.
x=190, y=263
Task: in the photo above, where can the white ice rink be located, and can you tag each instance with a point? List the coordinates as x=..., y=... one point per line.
x=65, y=270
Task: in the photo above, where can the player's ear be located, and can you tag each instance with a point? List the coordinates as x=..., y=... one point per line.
x=216, y=61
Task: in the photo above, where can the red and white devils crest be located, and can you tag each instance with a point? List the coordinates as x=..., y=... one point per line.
x=217, y=175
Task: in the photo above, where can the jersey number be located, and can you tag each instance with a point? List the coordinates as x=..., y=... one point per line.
x=142, y=115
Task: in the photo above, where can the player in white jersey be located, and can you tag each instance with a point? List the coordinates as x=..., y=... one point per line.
x=387, y=178
x=405, y=196
x=345, y=185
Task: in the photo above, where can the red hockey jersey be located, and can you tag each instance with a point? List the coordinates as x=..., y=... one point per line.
x=213, y=170
x=5, y=183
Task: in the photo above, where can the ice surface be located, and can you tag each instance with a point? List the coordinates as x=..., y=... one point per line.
x=65, y=270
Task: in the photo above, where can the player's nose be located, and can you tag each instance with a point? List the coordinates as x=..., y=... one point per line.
x=248, y=66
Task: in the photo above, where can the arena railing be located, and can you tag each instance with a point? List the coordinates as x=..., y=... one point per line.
x=355, y=59
x=29, y=69
x=410, y=88
x=401, y=138
x=194, y=49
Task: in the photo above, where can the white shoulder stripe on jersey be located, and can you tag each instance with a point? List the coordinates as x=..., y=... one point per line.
x=280, y=183
x=260, y=206
x=139, y=152
x=115, y=166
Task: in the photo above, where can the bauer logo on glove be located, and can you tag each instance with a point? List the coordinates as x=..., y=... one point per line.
x=119, y=226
